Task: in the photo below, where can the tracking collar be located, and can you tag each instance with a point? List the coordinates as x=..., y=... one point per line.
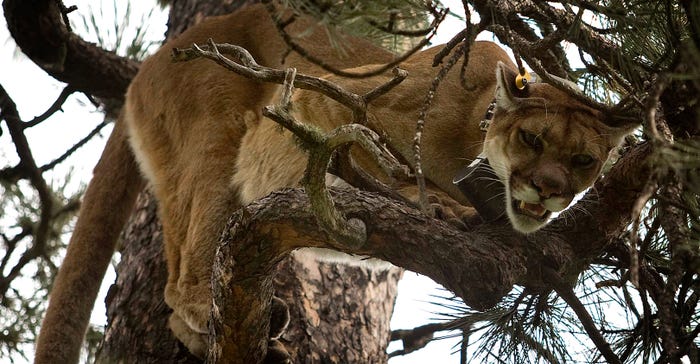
x=479, y=183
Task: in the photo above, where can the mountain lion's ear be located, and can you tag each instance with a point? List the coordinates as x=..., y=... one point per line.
x=620, y=126
x=618, y=130
x=507, y=93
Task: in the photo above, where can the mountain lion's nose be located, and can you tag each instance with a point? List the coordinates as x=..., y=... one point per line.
x=549, y=185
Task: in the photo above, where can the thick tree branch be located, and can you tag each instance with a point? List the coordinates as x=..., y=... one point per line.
x=479, y=266
x=39, y=30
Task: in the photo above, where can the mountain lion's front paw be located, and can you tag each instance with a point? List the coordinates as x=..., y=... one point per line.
x=447, y=209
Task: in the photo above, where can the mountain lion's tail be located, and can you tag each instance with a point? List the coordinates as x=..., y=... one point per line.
x=106, y=206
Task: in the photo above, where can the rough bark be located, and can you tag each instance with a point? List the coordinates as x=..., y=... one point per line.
x=38, y=28
x=337, y=308
x=338, y=314
x=138, y=318
x=479, y=266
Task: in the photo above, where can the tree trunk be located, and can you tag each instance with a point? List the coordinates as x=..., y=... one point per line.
x=338, y=313
x=137, y=318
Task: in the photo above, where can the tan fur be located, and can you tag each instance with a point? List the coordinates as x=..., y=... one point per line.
x=106, y=206
x=199, y=138
x=547, y=174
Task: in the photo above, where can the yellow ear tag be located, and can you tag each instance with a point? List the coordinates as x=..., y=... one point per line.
x=522, y=79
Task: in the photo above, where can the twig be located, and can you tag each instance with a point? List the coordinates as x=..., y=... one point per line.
x=10, y=246
x=674, y=223
x=636, y=215
x=420, y=124
x=418, y=337
x=75, y=147
x=652, y=105
x=473, y=30
x=249, y=68
x=64, y=13
x=56, y=106
x=399, y=76
x=463, y=347
x=389, y=29
x=449, y=46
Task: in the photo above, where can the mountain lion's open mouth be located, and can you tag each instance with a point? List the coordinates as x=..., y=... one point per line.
x=533, y=210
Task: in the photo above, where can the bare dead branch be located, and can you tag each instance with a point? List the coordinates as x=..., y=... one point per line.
x=399, y=76
x=75, y=147
x=420, y=123
x=56, y=106
x=249, y=68
x=320, y=146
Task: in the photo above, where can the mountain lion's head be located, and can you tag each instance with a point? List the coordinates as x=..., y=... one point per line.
x=545, y=147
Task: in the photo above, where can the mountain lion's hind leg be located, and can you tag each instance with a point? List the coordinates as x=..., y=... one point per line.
x=212, y=204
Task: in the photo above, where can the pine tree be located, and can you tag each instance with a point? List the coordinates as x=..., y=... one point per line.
x=625, y=263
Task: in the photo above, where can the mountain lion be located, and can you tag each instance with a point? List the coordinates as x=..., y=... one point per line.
x=194, y=133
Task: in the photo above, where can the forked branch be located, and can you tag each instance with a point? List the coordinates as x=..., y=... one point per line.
x=320, y=148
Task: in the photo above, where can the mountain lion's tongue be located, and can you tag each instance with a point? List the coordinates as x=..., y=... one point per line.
x=533, y=208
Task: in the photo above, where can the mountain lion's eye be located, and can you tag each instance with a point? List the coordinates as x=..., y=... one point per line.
x=530, y=139
x=582, y=160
